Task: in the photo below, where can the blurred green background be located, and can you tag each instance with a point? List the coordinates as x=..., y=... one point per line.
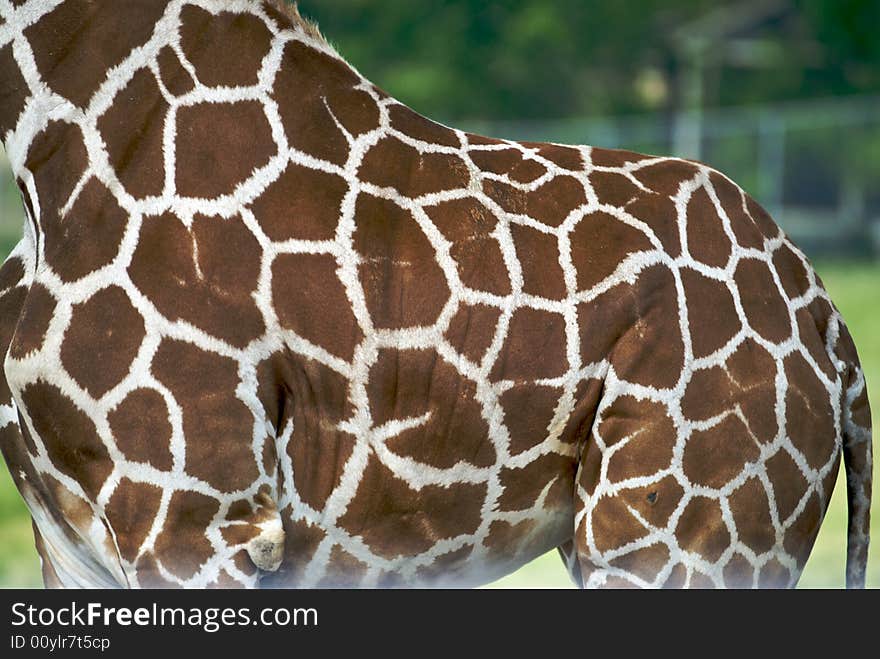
x=781, y=95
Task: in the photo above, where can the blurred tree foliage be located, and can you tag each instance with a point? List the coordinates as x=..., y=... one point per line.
x=523, y=59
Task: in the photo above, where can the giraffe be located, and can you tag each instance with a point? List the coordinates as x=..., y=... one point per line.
x=269, y=327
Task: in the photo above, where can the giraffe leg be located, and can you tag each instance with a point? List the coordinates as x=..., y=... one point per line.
x=65, y=560
x=50, y=576
x=15, y=280
x=145, y=466
x=206, y=514
x=626, y=496
x=708, y=484
x=569, y=555
x=14, y=284
x=163, y=526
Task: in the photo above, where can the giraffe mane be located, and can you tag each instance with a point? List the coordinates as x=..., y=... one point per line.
x=291, y=10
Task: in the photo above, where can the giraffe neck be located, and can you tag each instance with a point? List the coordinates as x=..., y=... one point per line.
x=60, y=59
x=67, y=68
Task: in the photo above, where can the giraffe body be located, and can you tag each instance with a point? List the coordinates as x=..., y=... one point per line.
x=268, y=326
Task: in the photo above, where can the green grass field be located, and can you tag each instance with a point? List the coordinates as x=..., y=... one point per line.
x=856, y=291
